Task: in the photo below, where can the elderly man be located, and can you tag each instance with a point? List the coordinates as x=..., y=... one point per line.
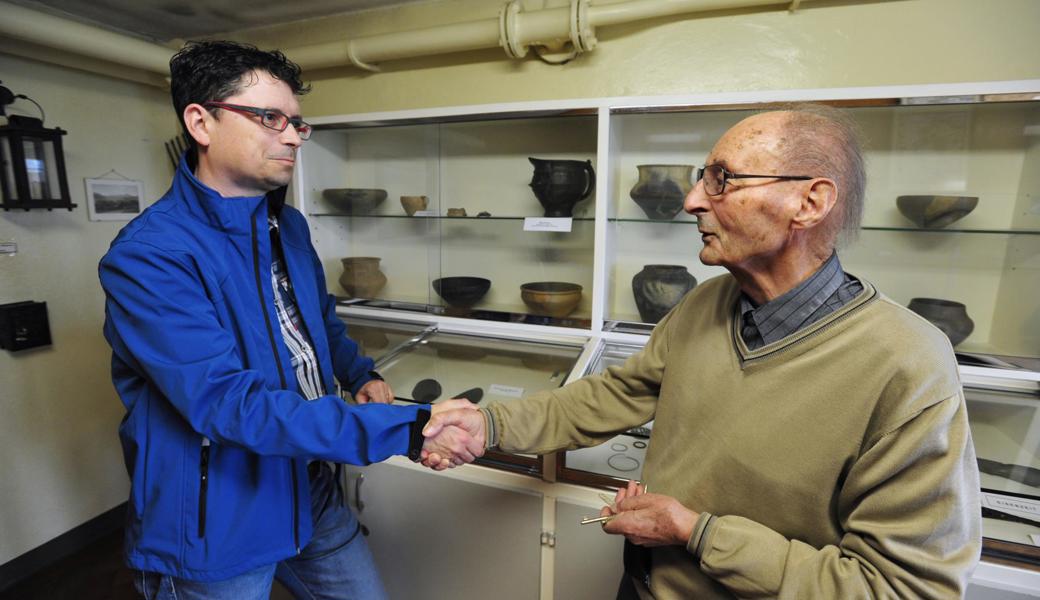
x=810, y=436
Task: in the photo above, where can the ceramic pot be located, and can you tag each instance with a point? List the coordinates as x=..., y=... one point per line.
x=552, y=298
x=354, y=201
x=658, y=288
x=361, y=276
x=456, y=212
x=949, y=316
x=560, y=184
x=661, y=189
x=412, y=204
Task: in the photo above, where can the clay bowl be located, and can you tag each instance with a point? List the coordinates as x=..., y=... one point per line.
x=354, y=201
x=934, y=212
x=461, y=292
x=552, y=298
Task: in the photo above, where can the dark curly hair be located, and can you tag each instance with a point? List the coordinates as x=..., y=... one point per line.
x=212, y=71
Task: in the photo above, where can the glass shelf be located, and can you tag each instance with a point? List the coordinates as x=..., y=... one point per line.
x=863, y=228
x=445, y=217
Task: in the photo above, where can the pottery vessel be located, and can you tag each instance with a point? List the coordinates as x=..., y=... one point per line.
x=934, y=212
x=354, y=201
x=661, y=189
x=658, y=288
x=552, y=298
x=560, y=184
x=461, y=292
x=456, y=212
x=949, y=316
x=413, y=204
x=361, y=276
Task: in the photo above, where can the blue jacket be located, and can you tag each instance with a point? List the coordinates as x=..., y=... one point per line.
x=216, y=437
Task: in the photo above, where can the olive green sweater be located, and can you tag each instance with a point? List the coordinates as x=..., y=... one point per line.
x=837, y=462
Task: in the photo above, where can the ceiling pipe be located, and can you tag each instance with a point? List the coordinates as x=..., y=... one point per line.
x=548, y=30
x=75, y=38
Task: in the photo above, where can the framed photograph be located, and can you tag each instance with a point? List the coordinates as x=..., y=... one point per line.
x=113, y=199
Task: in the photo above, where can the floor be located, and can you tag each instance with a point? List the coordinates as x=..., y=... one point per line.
x=95, y=573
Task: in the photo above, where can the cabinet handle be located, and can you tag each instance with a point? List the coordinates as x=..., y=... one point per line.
x=358, y=503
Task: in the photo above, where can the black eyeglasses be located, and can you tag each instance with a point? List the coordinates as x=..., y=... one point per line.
x=716, y=176
x=269, y=118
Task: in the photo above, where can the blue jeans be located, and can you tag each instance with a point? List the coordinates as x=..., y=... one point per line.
x=335, y=565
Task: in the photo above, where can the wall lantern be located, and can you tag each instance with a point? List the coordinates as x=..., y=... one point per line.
x=32, y=164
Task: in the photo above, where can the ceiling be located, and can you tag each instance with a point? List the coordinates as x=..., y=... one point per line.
x=164, y=20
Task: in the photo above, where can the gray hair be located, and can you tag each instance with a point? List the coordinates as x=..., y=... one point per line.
x=824, y=141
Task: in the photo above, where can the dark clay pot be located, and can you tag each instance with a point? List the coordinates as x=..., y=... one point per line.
x=949, y=316
x=657, y=288
x=661, y=189
x=560, y=184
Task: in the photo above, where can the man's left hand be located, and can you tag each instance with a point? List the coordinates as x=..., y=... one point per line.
x=651, y=520
x=377, y=391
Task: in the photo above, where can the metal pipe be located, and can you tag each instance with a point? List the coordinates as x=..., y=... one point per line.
x=34, y=26
x=514, y=30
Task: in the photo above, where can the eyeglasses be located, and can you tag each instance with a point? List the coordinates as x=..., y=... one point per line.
x=716, y=176
x=269, y=118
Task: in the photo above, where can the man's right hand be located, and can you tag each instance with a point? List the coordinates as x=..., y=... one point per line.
x=446, y=420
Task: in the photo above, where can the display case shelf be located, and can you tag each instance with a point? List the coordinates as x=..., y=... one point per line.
x=445, y=217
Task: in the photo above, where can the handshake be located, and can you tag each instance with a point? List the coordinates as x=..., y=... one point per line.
x=456, y=434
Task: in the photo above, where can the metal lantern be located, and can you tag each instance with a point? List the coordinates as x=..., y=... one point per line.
x=32, y=163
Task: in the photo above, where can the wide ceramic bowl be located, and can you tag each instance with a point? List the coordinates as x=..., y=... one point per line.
x=461, y=292
x=354, y=201
x=934, y=212
x=552, y=298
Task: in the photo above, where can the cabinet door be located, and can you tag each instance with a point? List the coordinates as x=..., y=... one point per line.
x=441, y=538
x=587, y=563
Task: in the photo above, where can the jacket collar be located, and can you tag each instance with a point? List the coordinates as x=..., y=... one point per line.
x=233, y=215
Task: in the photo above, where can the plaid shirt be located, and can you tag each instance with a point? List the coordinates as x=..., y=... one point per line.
x=304, y=361
x=824, y=292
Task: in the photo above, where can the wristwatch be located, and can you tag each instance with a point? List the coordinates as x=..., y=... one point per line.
x=415, y=436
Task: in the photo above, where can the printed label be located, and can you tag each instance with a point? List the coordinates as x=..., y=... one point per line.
x=425, y=213
x=1035, y=539
x=561, y=224
x=1010, y=504
x=506, y=390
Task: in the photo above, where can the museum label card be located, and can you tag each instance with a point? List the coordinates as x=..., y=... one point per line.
x=508, y=391
x=559, y=224
x=1011, y=504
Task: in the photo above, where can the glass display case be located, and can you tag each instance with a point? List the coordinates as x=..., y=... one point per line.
x=951, y=224
x=951, y=229
x=482, y=218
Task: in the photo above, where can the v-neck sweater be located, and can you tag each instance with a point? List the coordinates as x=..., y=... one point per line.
x=834, y=463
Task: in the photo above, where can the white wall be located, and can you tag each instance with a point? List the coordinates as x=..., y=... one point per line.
x=62, y=464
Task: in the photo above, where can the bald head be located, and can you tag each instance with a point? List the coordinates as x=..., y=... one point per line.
x=823, y=141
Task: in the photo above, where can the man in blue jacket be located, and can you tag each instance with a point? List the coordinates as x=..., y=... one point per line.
x=226, y=350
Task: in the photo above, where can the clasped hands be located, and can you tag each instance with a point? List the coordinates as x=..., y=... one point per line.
x=455, y=435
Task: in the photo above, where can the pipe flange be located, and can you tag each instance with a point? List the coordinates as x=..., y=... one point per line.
x=357, y=62
x=583, y=36
x=508, y=37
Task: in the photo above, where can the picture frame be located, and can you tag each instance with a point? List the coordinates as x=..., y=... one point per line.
x=114, y=199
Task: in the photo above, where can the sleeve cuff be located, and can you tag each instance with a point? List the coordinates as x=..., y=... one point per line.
x=490, y=432
x=701, y=532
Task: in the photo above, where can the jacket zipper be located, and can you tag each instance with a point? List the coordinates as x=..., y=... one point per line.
x=281, y=373
x=203, y=484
